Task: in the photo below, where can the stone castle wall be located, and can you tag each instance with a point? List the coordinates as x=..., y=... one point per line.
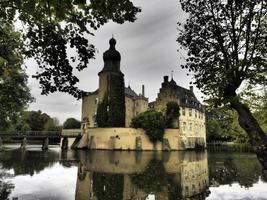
x=136, y=139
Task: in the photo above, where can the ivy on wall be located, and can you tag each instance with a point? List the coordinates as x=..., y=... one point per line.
x=111, y=111
x=102, y=113
x=172, y=114
x=116, y=101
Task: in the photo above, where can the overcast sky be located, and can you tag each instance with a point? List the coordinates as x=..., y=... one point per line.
x=148, y=49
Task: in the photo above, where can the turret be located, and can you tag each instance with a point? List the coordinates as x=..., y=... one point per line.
x=112, y=60
x=111, y=57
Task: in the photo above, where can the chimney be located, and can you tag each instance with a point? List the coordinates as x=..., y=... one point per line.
x=166, y=79
x=143, y=90
x=191, y=88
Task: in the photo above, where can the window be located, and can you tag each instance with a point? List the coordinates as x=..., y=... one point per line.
x=190, y=126
x=195, y=113
x=96, y=100
x=184, y=126
x=190, y=112
x=183, y=111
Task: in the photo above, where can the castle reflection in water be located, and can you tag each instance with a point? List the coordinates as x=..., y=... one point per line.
x=122, y=175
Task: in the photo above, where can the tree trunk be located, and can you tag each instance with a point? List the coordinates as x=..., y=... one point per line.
x=257, y=137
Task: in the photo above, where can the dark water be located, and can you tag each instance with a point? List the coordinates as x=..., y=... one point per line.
x=104, y=175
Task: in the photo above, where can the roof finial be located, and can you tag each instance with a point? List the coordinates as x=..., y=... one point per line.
x=172, y=74
x=129, y=84
x=112, y=35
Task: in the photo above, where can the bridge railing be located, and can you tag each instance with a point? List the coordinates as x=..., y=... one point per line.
x=70, y=132
x=30, y=133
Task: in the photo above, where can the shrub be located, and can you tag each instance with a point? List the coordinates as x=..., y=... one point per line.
x=152, y=122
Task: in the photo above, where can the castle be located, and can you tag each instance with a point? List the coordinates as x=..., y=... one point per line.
x=192, y=116
x=189, y=131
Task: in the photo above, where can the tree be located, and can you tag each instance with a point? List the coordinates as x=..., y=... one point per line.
x=172, y=114
x=226, y=43
x=34, y=121
x=256, y=99
x=222, y=125
x=52, y=125
x=71, y=123
x=152, y=122
x=14, y=92
x=52, y=27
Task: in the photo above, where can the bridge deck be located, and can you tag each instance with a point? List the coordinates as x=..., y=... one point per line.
x=72, y=133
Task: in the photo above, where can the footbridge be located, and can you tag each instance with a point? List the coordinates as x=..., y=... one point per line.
x=44, y=136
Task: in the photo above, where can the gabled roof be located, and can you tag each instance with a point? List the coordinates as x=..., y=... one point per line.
x=186, y=96
x=129, y=92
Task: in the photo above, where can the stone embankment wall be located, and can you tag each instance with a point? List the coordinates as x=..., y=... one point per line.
x=136, y=139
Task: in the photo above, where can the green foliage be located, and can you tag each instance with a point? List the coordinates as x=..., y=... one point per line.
x=35, y=121
x=51, y=27
x=102, y=113
x=52, y=125
x=14, y=92
x=172, y=114
x=256, y=99
x=152, y=122
x=111, y=111
x=228, y=168
x=222, y=125
x=214, y=131
x=71, y=123
x=226, y=44
x=116, y=97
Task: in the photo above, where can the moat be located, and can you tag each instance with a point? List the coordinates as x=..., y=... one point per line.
x=122, y=175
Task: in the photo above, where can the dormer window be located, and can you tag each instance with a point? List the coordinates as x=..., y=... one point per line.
x=183, y=111
x=190, y=112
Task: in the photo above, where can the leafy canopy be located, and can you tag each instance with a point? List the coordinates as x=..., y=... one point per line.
x=226, y=43
x=71, y=123
x=51, y=27
x=14, y=92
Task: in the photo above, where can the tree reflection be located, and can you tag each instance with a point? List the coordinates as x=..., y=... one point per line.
x=27, y=162
x=242, y=168
x=6, y=187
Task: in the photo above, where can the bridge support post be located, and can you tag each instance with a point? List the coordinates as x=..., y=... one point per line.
x=23, y=143
x=45, y=144
x=64, y=145
x=1, y=143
